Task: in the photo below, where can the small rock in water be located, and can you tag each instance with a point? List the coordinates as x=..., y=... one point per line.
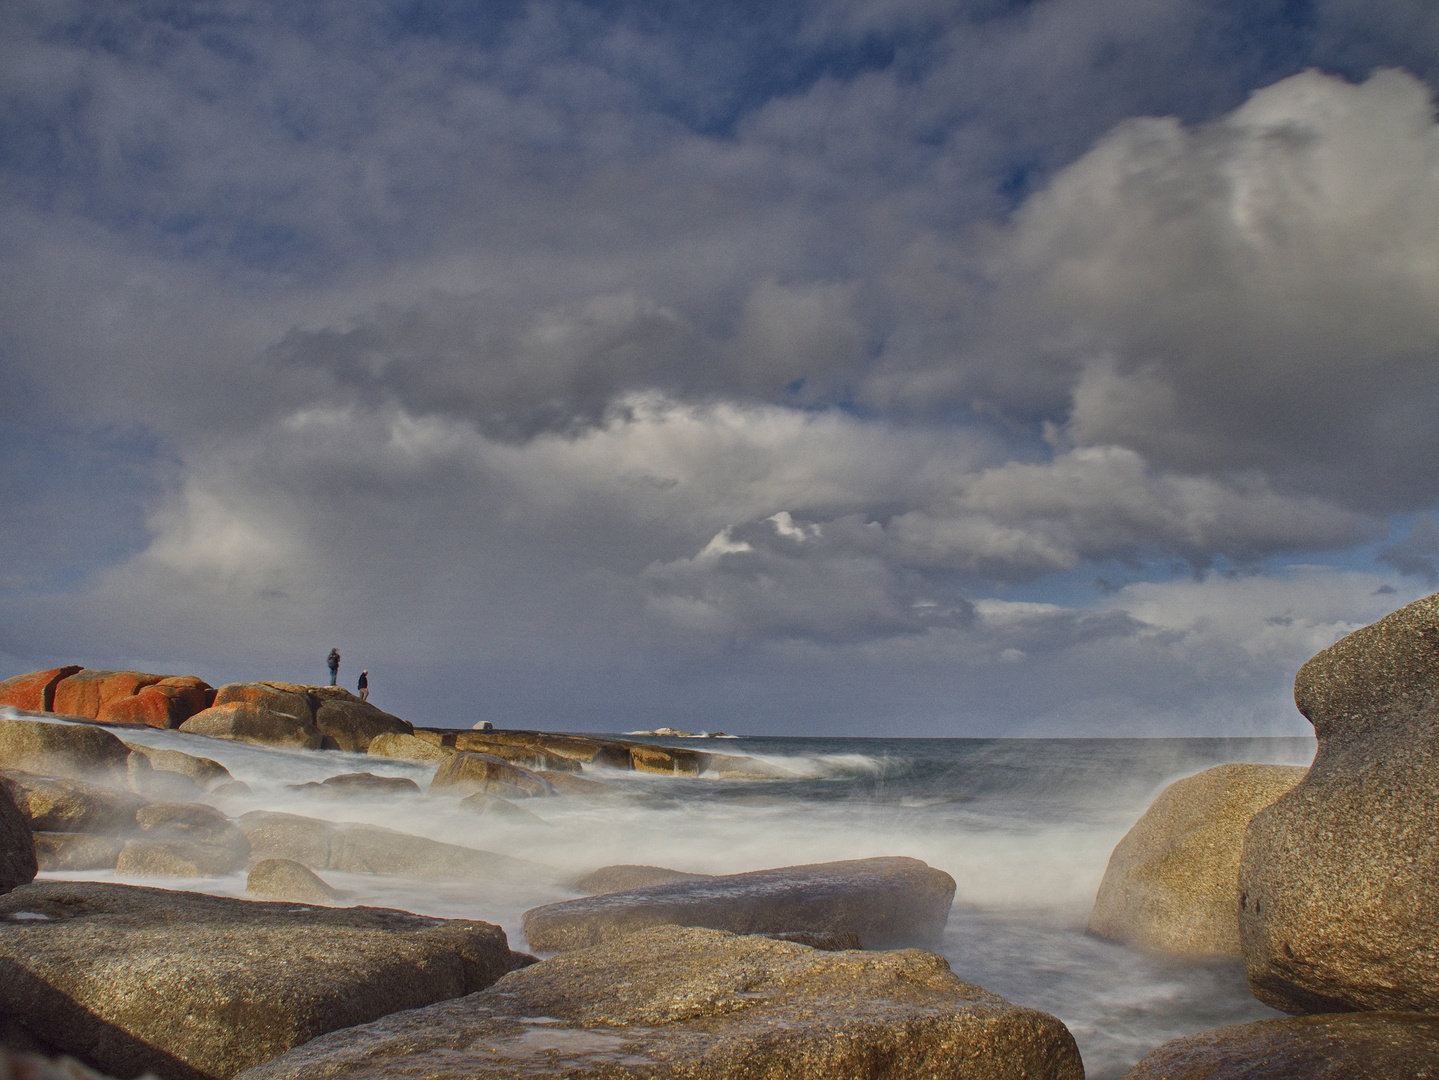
x=676, y=1003
x=285, y=879
x=77, y=851
x=480, y=803
x=1346, y=1046
x=885, y=901
x=622, y=876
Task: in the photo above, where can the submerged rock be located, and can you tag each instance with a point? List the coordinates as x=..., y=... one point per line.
x=1339, y=902
x=885, y=901
x=364, y=783
x=201, y=771
x=671, y=1003
x=77, y=851
x=189, y=986
x=285, y=879
x=183, y=840
x=1172, y=885
x=1347, y=1046
x=622, y=876
x=493, y=805
x=370, y=849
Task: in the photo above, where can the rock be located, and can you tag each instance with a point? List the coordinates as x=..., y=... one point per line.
x=1172, y=885
x=35, y=691
x=287, y=880
x=580, y=786
x=183, y=840
x=164, y=704
x=824, y=940
x=613, y=753
x=1347, y=1046
x=18, y=864
x=202, y=771
x=482, y=725
x=622, y=876
x=353, y=723
x=480, y=803
x=885, y=901
x=88, y=690
x=76, y=751
x=17, y=1064
x=677, y=1003
x=664, y=759
x=528, y=755
x=369, y=849
x=738, y=767
x=52, y=805
x=254, y=723
x=284, y=698
x=145, y=780
x=406, y=748
x=1337, y=882
x=363, y=783
x=188, y=986
x=77, y=851
x=465, y=773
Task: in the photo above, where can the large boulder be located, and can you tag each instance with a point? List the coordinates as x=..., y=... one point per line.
x=1172, y=885
x=55, y=805
x=49, y=748
x=284, y=698
x=253, y=723
x=404, y=747
x=466, y=773
x=885, y=901
x=189, y=986
x=34, y=691
x=88, y=690
x=164, y=704
x=351, y=724
x=18, y=865
x=370, y=849
x=676, y=1003
x=1347, y=1046
x=1339, y=903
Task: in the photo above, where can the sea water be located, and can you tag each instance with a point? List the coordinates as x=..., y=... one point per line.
x=1025, y=827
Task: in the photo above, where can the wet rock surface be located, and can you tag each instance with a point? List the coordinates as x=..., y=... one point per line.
x=622, y=876
x=885, y=901
x=1347, y=1046
x=1337, y=880
x=203, y=772
x=468, y=773
x=75, y=751
x=128, y=979
x=58, y=805
x=1172, y=884
x=285, y=879
x=692, y=1003
x=77, y=851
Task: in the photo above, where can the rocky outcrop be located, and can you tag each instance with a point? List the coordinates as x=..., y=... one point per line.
x=622, y=876
x=1337, y=881
x=407, y=748
x=684, y=1003
x=53, y=805
x=287, y=880
x=201, y=771
x=18, y=864
x=466, y=773
x=612, y=753
x=885, y=901
x=77, y=851
x=35, y=691
x=667, y=760
x=164, y=704
x=369, y=849
x=249, y=722
x=530, y=755
x=351, y=724
x=47, y=748
x=1172, y=885
x=188, y=986
x=1348, y=1046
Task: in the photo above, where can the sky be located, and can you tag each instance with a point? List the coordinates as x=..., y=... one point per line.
x=861, y=367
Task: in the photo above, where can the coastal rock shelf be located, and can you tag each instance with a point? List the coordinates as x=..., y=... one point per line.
x=684, y=1002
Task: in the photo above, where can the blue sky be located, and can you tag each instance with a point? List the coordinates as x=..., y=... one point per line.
x=904, y=368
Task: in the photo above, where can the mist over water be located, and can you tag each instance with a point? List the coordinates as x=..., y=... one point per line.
x=1025, y=827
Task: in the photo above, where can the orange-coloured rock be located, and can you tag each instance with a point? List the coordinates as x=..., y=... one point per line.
x=35, y=691
x=275, y=697
x=89, y=690
x=667, y=760
x=465, y=773
x=165, y=704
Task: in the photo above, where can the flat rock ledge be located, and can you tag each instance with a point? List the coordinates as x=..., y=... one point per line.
x=886, y=901
x=689, y=1003
x=189, y=986
x=1344, y=1046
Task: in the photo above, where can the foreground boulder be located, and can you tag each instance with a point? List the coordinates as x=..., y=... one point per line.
x=1339, y=903
x=370, y=849
x=468, y=773
x=885, y=901
x=1347, y=1046
x=188, y=986
x=686, y=1003
x=1172, y=885
x=54, y=805
x=47, y=748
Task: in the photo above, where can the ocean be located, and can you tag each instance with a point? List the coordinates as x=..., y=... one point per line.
x=1025, y=827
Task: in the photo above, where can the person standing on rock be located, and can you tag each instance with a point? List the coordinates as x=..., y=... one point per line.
x=334, y=662
x=364, y=685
